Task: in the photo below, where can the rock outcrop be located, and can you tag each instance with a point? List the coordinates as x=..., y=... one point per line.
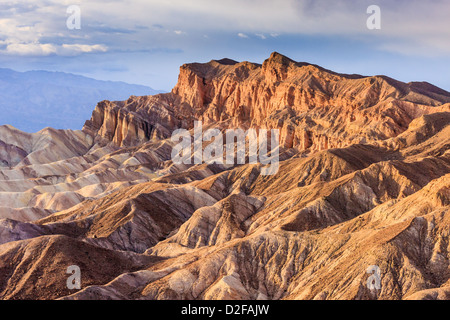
x=314, y=108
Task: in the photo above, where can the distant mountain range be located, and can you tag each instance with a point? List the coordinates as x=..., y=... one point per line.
x=33, y=100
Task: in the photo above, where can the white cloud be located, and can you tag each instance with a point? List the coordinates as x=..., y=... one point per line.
x=30, y=49
x=38, y=28
x=242, y=35
x=45, y=49
x=74, y=49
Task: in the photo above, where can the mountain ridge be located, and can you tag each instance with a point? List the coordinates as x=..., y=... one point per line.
x=258, y=95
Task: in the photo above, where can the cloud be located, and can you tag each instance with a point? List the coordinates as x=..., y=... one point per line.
x=74, y=49
x=110, y=30
x=30, y=49
x=38, y=28
x=413, y=22
x=45, y=49
x=144, y=24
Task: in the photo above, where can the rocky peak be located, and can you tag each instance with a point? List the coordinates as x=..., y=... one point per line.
x=277, y=58
x=276, y=67
x=226, y=61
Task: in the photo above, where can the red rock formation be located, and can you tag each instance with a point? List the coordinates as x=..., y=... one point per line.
x=315, y=109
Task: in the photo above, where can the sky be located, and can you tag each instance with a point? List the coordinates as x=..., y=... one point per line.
x=146, y=41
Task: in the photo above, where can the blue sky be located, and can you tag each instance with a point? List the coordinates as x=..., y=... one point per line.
x=145, y=41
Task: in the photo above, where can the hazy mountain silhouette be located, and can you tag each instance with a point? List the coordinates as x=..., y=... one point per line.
x=33, y=100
